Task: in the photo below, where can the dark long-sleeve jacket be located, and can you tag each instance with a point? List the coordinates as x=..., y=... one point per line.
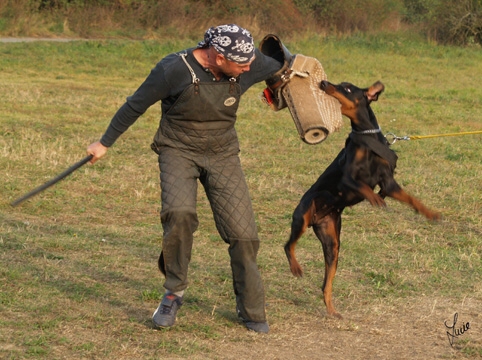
x=166, y=82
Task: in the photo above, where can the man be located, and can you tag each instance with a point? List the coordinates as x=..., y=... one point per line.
x=199, y=89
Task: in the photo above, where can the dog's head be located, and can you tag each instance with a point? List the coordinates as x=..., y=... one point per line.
x=354, y=101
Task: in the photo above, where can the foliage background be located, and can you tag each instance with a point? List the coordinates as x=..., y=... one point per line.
x=445, y=21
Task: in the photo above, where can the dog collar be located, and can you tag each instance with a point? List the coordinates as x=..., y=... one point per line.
x=371, y=131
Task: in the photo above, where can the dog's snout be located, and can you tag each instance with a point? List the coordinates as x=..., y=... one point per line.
x=324, y=84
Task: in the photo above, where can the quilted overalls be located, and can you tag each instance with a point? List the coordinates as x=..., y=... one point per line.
x=197, y=140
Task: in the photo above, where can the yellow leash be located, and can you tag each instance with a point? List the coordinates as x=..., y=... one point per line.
x=392, y=138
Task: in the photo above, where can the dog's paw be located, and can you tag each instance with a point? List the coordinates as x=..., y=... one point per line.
x=433, y=216
x=331, y=312
x=336, y=315
x=296, y=270
x=377, y=200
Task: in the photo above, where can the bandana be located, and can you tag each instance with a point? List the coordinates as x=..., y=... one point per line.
x=232, y=41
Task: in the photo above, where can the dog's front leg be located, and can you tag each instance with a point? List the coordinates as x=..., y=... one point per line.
x=396, y=192
x=352, y=185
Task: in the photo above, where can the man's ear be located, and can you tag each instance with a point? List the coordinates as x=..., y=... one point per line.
x=220, y=59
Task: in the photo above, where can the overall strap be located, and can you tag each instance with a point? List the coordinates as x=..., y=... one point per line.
x=195, y=79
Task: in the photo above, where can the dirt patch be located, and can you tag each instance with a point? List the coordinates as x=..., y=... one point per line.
x=410, y=329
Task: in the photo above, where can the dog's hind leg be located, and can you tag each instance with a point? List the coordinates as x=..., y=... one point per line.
x=302, y=217
x=328, y=232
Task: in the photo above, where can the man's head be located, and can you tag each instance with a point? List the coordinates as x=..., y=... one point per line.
x=232, y=41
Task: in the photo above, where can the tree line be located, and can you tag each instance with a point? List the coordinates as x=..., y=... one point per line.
x=445, y=21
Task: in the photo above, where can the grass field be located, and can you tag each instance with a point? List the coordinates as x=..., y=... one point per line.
x=78, y=261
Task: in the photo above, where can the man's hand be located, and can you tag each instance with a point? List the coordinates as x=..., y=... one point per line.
x=97, y=150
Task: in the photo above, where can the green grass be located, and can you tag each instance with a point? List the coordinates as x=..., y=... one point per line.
x=78, y=261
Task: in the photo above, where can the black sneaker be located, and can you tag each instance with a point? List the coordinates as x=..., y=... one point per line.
x=165, y=314
x=259, y=327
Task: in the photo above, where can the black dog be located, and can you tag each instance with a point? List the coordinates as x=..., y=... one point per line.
x=365, y=162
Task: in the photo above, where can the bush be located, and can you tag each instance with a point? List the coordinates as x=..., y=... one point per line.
x=458, y=23
x=349, y=16
x=446, y=21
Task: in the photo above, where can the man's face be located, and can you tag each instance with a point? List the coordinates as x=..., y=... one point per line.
x=230, y=68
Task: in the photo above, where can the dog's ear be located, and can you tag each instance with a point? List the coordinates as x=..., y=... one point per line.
x=374, y=91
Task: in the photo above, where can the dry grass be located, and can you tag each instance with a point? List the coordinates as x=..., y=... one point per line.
x=78, y=262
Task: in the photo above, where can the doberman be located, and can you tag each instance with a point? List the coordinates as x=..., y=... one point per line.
x=365, y=162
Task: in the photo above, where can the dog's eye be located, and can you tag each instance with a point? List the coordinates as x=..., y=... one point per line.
x=348, y=90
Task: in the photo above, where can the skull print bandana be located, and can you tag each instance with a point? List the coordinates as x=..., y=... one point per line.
x=232, y=41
